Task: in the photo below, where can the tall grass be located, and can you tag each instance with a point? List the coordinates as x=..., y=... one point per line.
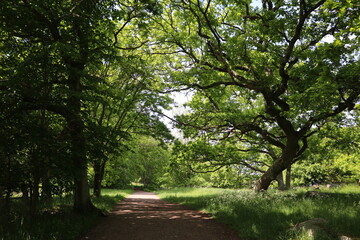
x=55, y=220
x=271, y=215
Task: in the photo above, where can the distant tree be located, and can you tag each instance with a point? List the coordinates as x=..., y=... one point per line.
x=150, y=161
x=127, y=108
x=333, y=156
x=146, y=162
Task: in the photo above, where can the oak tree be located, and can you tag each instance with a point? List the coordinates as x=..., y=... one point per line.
x=264, y=78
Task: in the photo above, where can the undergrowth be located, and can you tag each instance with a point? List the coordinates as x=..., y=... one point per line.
x=271, y=215
x=55, y=219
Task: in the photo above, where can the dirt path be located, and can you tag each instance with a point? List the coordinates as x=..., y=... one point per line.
x=143, y=216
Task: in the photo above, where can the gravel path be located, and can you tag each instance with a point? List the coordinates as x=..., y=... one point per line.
x=143, y=216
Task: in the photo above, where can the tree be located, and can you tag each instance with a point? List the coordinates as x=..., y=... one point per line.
x=264, y=77
x=150, y=161
x=146, y=162
x=51, y=53
x=127, y=108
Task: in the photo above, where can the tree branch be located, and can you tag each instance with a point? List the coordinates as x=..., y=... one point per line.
x=265, y=134
x=303, y=14
x=349, y=104
x=132, y=48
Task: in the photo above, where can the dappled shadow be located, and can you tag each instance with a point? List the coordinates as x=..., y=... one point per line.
x=144, y=216
x=153, y=208
x=274, y=215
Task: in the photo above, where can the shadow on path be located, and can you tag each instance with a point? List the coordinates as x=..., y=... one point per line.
x=143, y=216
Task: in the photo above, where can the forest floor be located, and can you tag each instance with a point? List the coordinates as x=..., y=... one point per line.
x=143, y=216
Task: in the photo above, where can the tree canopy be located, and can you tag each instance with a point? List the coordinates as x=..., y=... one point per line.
x=82, y=83
x=264, y=78
x=58, y=59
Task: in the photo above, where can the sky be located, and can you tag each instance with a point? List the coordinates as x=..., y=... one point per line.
x=180, y=98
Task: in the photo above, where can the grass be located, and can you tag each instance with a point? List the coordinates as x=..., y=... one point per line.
x=271, y=215
x=55, y=220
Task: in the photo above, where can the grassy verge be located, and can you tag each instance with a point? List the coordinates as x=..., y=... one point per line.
x=55, y=220
x=271, y=215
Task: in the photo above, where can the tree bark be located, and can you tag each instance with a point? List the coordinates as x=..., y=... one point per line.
x=7, y=202
x=34, y=197
x=280, y=180
x=270, y=175
x=7, y=189
x=44, y=156
x=46, y=185
x=2, y=199
x=25, y=193
x=285, y=161
x=82, y=201
x=288, y=178
x=98, y=177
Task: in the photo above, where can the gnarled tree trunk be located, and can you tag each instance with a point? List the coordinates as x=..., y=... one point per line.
x=287, y=157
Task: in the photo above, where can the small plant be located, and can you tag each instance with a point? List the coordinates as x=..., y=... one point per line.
x=273, y=213
x=55, y=219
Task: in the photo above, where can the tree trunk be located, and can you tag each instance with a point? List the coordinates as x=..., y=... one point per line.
x=76, y=65
x=82, y=202
x=46, y=193
x=7, y=189
x=7, y=202
x=97, y=178
x=273, y=171
x=2, y=199
x=45, y=173
x=25, y=193
x=285, y=161
x=288, y=178
x=34, y=197
x=280, y=180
